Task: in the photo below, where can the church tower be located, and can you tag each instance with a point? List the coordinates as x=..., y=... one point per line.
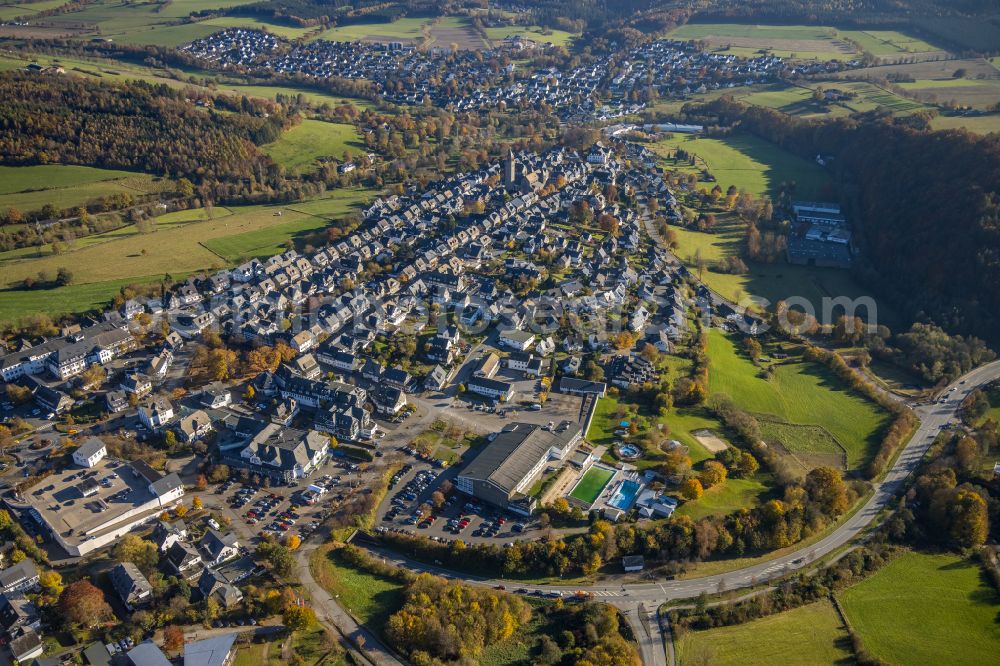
x=510, y=170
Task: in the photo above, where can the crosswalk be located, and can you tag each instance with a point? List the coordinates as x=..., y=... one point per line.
x=607, y=593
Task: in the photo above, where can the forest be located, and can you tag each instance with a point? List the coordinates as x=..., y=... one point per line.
x=136, y=126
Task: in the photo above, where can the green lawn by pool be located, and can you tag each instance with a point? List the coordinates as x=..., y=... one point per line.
x=591, y=485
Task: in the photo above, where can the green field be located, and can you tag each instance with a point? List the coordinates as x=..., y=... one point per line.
x=805, y=636
x=302, y=147
x=751, y=164
x=800, y=393
x=800, y=42
x=590, y=486
x=176, y=247
x=17, y=304
x=369, y=598
x=10, y=10
x=729, y=496
x=870, y=97
x=533, y=32
x=927, y=609
x=774, y=282
x=156, y=23
x=402, y=30
x=314, y=97
x=31, y=187
x=887, y=42
x=810, y=445
x=981, y=94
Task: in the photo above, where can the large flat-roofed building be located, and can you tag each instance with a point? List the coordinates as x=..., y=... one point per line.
x=821, y=236
x=84, y=510
x=508, y=465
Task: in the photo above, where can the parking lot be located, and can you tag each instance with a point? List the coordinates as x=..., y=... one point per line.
x=281, y=510
x=409, y=508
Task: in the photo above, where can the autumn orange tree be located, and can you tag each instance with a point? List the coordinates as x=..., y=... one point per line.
x=83, y=604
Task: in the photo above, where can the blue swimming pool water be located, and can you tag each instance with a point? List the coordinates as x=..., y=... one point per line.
x=625, y=495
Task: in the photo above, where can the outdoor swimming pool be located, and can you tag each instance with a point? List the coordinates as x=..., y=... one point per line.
x=625, y=494
x=629, y=451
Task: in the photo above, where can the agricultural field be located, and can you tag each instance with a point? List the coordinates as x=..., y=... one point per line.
x=532, y=32
x=64, y=186
x=790, y=41
x=302, y=148
x=447, y=31
x=804, y=636
x=749, y=163
x=152, y=23
x=883, y=43
x=11, y=10
x=175, y=247
x=979, y=94
x=926, y=609
x=798, y=393
x=401, y=30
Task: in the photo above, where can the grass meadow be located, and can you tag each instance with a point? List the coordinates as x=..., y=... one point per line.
x=533, y=32
x=805, y=636
x=774, y=282
x=30, y=188
x=181, y=243
x=798, y=393
x=926, y=609
x=749, y=163
x=802, y=42
x=729, y=496
x=301, y=148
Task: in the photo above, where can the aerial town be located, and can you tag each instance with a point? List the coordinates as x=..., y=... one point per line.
x=615, y=333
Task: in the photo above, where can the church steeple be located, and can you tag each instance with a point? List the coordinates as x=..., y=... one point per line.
x=510, y=169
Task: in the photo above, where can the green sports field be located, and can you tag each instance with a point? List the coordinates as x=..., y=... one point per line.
x=590, y=486
x=806, y=636
x=927, y=609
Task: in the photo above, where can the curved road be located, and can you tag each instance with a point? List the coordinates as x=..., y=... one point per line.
x=639, y=601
